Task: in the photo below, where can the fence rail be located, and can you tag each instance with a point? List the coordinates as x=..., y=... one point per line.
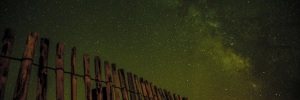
x=117, y=85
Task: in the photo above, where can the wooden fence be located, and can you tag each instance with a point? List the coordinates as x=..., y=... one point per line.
x=117, y=85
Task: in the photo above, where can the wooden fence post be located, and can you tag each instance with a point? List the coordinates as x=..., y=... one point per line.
x=163, y=94
x=59, y=71
x=144, y=89
x=175, y=96
x=116, y=81
x=8, y=40
x=153, y=91
x=123, y=84
x=87, y=77
x=108, y=79
x=170, y=95
x=166, y=94
x=73, y=77
x=148, y=90
x=138, y=87
x=130, y=87
x=21, y=89
x=134, y=88
x=179, y=97
x=42, y=73
x=98, y=78
x=157, y=93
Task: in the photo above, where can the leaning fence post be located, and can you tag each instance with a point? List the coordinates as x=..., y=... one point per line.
x=130, y=85
x=154, y=94
x=24, y=72
x=116, y=81
x=145, y=94
x=157, y=93
x=59, y=63
x=148, y=90
x=73, y=77
x=123, y=84
x=170, y=95
x=179, y=97
x=87, y=77
x=108, y=79
x=8, y=40
x=134, y=88
x=42, y=73
x=98, y=78
x=138, y=87
x=163, y=94
x=175, y=96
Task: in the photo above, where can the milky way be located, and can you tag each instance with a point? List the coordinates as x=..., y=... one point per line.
x=203, y=49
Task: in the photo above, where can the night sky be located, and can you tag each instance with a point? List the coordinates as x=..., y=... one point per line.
x=202, y=49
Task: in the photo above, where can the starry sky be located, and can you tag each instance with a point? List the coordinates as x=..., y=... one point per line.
x=202, y=49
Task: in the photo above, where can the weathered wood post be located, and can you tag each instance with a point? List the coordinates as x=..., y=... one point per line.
x=153, y=91
x=87, y=77
x=130, y=85
x=157, y=93
x=175, y=96
x=108, y=79
x=163, y=95
x=145, y=94
x=169, y=95
x=129, y=89
x=116, y=81
x=21, y=89
x=73, y=77
x=150, y=95
x=123, y=84
x=138, y=87
x=59, y=63
x=179, y=97
x=42, y=73
x=134, y=88
x=98, y=78
x=8, y=40
x=165, y=92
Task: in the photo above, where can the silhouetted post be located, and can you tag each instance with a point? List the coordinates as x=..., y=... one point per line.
x=73, y=77
x=7, y=40
x=179, y=97
x=150, y=95
x=144, y=89
x=98, y=78
x=123, y=84
x=138, y=87
x=175, y=96
x=116, y=81
x=134, y=88
x=162, y=93
x=165, y=92
x=21, y=89
x=87, y=77
x=108, y=79
x=153, y=91
x=169, y=95
x=59, y=63
x=130, y=86
x=157, y=93
x=42, y=73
